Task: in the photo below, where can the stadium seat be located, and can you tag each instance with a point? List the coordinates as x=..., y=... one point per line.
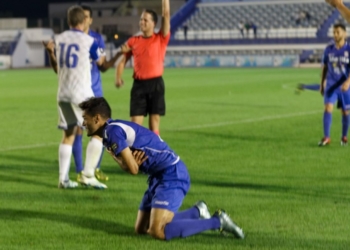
x=273, y=20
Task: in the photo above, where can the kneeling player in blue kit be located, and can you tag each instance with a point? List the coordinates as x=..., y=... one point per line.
x=137, y=149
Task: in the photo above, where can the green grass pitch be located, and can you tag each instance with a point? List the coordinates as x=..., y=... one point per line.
x=249, y=142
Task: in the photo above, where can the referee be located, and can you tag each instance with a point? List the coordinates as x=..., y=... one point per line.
x=148, y=50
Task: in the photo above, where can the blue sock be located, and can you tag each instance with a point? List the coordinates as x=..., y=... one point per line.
x=327, y=121
x=78, y=153
x=345, y=121
x=314, y=87
x=188, y=227
x=192, y=213
x=99, y=162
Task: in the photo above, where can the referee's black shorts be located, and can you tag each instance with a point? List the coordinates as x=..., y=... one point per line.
x=147, y=97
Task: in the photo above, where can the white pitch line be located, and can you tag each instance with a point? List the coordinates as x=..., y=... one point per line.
x=286, y=86
x=208, y=125
x=266, y=118
x=29, y=146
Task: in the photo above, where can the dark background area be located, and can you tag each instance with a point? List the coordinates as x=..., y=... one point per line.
x=29, y=8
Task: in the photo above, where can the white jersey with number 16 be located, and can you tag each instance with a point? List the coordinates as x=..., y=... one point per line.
x=73, y=52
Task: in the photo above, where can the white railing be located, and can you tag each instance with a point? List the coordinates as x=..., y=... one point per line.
x=235, y=34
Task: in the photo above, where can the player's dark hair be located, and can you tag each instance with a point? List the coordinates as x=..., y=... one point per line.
x=153, y=14
x=75, y=16
x=339, y=25
x=96, y=105
x=88, y=8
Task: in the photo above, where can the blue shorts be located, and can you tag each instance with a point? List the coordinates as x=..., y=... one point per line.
x=167, y=189
x=343, y=98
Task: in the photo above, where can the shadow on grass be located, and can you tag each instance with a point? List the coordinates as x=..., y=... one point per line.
x=305, y=192
x=268, y=241
x=28, y=158
x=18, y=179
x=244, y=105
x=234, y=138
x=78, y=221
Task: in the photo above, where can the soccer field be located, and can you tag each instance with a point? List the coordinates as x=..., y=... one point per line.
x=249, y=142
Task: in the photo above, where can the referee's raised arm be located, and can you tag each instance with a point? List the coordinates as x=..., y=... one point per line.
x=165, y=28
x=344, y=11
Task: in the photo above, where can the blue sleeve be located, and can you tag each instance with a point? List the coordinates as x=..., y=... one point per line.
x=325, y=57
x=101, y=43
x=93, y=51
x=117, y=139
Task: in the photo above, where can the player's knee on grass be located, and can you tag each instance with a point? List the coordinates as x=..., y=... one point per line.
x=157, y=231
x=158, y=220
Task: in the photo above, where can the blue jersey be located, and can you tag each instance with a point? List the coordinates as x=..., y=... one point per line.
x=119, y=135
x=96, y=82
x=338, y=66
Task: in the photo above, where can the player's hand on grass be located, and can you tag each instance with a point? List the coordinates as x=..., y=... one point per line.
x=139, y=157
x=334, y=3
x=49, y=46
x=119, y=83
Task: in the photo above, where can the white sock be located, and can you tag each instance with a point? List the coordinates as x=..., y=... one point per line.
x=93, y=155
x=64, y=155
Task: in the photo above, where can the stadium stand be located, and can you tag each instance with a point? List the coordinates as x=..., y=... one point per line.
x=213, y=23
x=273, y=19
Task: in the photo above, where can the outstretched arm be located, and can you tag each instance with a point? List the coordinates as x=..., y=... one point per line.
x=344, y=11
x=105, y=65
x=165, y=28
x=50, y=49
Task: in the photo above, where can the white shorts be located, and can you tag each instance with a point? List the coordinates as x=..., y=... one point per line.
x=70, y=115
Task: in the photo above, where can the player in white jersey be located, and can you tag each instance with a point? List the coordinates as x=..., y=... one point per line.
x=96, y=87
x=74, y=49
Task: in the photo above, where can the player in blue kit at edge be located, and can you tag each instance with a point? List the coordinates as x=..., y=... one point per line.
x=335, y=82
x=138, y=149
